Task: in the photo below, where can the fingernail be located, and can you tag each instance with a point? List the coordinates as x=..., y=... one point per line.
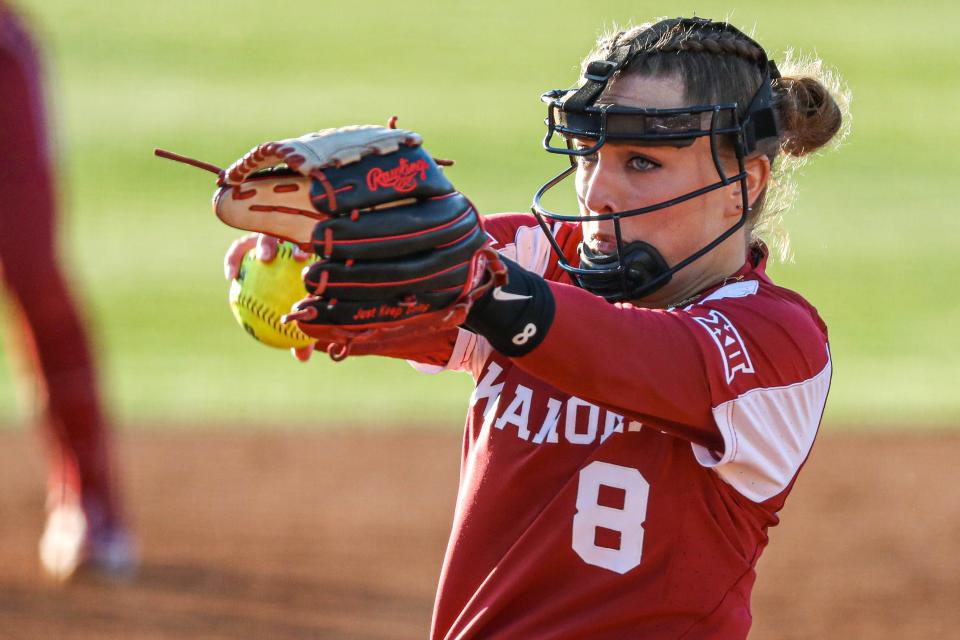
x=302, y=354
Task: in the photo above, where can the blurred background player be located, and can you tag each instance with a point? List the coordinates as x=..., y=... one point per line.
x=84, y=527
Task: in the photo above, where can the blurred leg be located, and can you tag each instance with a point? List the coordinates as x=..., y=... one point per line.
x=52, y=333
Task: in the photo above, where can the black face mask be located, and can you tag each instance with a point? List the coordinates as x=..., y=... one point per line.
x=643, y=271
x=637, y=269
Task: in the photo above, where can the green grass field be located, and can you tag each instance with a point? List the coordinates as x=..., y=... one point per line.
x=876, y=242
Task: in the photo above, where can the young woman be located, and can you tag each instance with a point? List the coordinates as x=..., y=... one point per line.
x=645, y=394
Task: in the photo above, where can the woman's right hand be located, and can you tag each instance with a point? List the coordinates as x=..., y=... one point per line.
x=266, y=251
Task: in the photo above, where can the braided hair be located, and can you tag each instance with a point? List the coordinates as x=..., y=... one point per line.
x=719, y=66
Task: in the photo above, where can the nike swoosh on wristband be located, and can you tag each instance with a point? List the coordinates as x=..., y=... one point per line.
x=506, y=296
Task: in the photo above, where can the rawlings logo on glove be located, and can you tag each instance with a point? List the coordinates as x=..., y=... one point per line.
x=402, y=179
x=402, y=253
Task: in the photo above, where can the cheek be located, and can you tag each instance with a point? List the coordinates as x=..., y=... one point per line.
x=676, y=232
x=660, y=228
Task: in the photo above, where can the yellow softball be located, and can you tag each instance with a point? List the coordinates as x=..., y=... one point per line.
x=264, y=291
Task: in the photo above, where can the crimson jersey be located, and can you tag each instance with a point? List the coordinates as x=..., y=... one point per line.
x=618, y=481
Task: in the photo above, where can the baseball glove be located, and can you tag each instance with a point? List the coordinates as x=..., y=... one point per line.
x=402, y=253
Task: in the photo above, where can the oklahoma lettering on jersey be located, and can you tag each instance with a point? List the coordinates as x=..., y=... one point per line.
x=619, y=480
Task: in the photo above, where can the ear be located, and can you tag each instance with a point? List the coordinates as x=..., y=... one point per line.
x=757, y=167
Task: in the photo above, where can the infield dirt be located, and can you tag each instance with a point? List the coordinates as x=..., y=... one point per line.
x=340, y=535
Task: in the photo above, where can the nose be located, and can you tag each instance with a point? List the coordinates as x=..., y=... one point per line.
x=598, y=188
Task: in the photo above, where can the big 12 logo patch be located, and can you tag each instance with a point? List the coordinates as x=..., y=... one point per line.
x=732, y=349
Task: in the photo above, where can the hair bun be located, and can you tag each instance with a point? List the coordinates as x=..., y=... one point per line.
x=809, y=115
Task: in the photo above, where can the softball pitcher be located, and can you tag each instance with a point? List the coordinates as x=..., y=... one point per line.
x=645, y=394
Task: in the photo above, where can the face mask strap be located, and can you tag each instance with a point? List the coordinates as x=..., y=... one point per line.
x=596, y=78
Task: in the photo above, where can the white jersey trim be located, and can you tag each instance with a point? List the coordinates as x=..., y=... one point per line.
x=734, y=290
x=530, y=249
x=740, y=289
x=767, y=434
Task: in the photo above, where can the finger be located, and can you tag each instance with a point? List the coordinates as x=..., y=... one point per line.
x=303, y=354
x=234, y=256
x=300, y=255
x=266, y=247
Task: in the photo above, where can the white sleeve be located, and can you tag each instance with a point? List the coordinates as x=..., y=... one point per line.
x=767, y=435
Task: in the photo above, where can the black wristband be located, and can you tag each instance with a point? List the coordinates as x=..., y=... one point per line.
x=515, y=318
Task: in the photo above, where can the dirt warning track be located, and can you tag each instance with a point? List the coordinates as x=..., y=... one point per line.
x=340, y=535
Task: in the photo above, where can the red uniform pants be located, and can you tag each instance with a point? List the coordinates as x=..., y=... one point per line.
x=44, y=313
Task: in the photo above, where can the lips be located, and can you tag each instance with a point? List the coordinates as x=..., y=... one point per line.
x=601, y=244
x=595, y=259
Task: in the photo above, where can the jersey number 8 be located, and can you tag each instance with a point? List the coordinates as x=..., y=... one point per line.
x=626, y=521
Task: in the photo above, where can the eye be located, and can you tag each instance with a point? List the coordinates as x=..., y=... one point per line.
x=640, y=163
